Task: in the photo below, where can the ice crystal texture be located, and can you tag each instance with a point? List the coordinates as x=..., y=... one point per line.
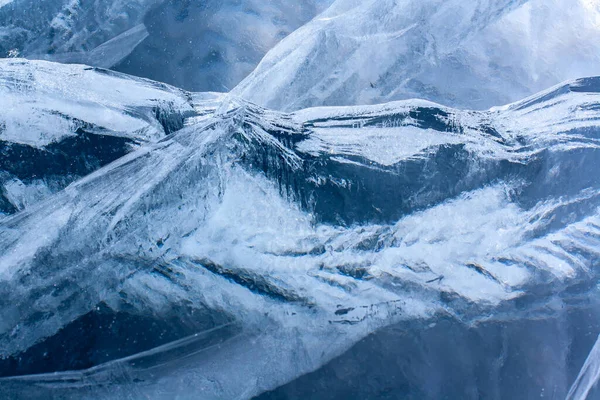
x=472, y=54
x=316, y=232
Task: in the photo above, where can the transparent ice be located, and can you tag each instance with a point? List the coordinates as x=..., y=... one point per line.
x=163, y=243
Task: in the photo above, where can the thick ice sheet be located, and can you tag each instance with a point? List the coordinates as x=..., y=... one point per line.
x=470, y=54
x=310, y=231
x=60, y=122
x=43, y=102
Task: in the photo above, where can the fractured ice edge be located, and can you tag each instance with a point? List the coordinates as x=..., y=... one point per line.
x=257, y=245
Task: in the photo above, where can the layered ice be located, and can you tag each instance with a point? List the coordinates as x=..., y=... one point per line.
x=61, y=122
x=286, y=238
x=168, y=244
x=45, y=102
x=470, y=54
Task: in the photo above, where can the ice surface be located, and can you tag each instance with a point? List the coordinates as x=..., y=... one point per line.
x=198, y=45
x=59, y=122
x=473, y=54
x=44, y=102
x=309, y=231
x=588, y=377
x=165, y=244
x=40, y=27
x=106, y=55
x=212, y=45
x=496, y=360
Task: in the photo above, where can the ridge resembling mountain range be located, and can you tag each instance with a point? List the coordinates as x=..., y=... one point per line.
x=164, y=243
